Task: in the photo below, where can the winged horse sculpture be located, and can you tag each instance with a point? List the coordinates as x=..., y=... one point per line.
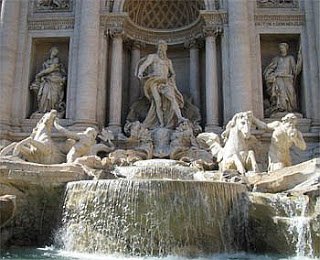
x=234, y=153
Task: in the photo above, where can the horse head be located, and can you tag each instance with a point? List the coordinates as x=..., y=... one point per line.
x=241, y=122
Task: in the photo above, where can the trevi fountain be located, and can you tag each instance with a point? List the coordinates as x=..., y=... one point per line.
x=159, y=129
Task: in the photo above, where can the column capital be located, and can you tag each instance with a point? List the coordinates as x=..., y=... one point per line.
x=137, y=44
x=116, y=33
x=210, y=30
x=191, y=42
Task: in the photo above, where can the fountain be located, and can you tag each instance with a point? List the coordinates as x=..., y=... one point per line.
x=161, y=187
x=154, y=216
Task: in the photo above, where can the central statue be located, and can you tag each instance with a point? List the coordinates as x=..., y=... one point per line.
x=160, y=88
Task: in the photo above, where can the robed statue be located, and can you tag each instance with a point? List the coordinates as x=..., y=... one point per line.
x=281, y=78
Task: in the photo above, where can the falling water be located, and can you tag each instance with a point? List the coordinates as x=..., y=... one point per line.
x=154, y=217
x=298, y=222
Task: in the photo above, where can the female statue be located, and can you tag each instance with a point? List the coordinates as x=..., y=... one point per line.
x=49, y=84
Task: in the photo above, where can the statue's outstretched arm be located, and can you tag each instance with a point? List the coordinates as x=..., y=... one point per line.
x=66, y=132
x=299, y=141
x=144, y=65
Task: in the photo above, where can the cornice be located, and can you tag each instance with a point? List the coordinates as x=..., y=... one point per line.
x=289, y=19
x=51, y=24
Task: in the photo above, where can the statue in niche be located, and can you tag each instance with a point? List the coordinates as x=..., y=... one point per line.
x=281, y=78
x=160, y=89
x=49, y=85
x=284, y=135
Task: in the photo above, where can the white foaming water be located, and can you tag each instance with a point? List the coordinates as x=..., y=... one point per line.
x=298, y=223
x=154, y=217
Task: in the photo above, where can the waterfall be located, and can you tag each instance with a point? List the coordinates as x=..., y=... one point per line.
x=154, y=217
x=298, y=222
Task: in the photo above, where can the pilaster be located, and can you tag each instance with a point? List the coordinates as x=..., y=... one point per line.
x=88, y=60
x=240, y=58
x=9, y=31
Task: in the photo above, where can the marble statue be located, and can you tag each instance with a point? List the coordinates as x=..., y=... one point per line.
x=280, y=76
x=82, y=142
x=284, y=135
x=160, y=89
x=235, y=153
x=49, y=85
x=139, y=146
x=39, y=146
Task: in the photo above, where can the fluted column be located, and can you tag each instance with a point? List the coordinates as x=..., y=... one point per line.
x=135, y=91
x=88, y=57
x=115, y=102
x=9, y=29
x=194, y=75
x=240, y=60
x=212, y=88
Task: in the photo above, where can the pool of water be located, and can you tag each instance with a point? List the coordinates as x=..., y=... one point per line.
x=51, y=253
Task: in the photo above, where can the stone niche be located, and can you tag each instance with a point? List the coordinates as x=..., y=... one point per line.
x=133, y=89
x=39, y=54
x=270, y=49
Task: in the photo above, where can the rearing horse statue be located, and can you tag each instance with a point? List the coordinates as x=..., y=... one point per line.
x=235, y=153
x=38, y=147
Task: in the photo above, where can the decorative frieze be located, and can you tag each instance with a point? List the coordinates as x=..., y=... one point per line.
x=214, y=17
x=40, y=6
x=50, y=24
x=277, y=4
x=279, y=20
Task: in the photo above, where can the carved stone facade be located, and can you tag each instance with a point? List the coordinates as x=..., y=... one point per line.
x=219, y=50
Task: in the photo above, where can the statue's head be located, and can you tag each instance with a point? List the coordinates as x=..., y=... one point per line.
x=289, y=120
x=283, y=47
x=91, y=132
x=162, y=47
x=54, y=51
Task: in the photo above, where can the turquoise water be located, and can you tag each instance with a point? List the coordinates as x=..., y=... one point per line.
x=50, y=253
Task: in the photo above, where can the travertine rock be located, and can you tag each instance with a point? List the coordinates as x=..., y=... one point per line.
x=7, y=209
x=303, y=177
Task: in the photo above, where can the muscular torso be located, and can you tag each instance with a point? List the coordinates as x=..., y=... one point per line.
x=160, y=67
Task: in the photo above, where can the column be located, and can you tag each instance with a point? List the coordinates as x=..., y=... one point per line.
x=194, y=75
x=240, y=60
x=135, y=91
x=212, y=88
x=88, y=59
x=311, y=66
x=9, y=30
x=115, y=94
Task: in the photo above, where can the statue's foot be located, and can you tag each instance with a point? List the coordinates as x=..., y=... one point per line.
x=181, y=120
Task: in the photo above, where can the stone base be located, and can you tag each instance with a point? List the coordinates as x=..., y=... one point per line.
x=303, y=177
